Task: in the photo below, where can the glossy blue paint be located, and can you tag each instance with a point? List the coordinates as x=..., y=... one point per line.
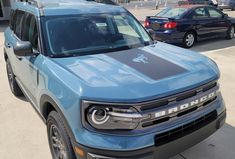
x=106, y=79
x=101, y=78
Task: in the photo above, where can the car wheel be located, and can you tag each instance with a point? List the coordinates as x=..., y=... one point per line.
x=59, y=141
x=15, y=89
x=189, y=39
x=230, y=32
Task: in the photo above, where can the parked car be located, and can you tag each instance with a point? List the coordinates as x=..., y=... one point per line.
x=103, y=87
x=205, y=2
x=188, y=24
x=226, y=4
x=123, y=1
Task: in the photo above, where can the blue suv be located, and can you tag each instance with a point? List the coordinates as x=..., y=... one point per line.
x=103, y=87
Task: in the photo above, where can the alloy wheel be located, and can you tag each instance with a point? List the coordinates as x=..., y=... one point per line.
x=232, y=32
x=58, y=144
x=190, y=40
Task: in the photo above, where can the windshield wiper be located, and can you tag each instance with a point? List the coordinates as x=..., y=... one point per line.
x=104, y=50
x=64, y=55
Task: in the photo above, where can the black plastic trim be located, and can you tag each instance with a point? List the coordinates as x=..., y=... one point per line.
x=46, y=99
x=163, y=151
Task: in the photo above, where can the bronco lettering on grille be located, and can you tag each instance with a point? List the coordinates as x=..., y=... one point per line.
x=185, y=106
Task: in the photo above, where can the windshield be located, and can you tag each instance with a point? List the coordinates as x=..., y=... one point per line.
x=172, y=12
x=93, y=33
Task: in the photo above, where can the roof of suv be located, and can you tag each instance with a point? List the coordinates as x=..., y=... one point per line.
x=69, y=7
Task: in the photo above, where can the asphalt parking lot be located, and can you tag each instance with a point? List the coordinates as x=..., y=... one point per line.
x=23, y=134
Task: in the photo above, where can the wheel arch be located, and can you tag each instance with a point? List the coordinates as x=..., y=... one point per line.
x=47, y=104
x=193, y=31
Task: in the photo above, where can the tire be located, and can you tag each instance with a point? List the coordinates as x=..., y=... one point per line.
x=189, y=39
x=230, y=33
x=58, y=138
x=15, y=89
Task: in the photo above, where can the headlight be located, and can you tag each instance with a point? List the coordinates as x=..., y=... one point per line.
x=112, y=117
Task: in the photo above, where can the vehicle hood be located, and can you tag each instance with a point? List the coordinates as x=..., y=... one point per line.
x=141, y=74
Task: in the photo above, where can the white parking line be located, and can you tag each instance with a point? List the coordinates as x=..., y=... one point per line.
x=218, y=50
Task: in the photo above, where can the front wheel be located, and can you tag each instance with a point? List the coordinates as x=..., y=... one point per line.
x=59, y=141
x=230, y=32
x=189, y=39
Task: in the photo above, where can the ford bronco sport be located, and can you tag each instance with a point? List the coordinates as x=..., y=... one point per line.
x=103, y=87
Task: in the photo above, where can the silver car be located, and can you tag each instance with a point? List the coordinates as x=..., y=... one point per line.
x=226, y=4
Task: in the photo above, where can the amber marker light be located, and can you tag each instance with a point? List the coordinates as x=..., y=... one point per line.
x=79, y=151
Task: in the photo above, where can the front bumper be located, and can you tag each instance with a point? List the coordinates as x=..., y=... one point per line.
x=162, y=151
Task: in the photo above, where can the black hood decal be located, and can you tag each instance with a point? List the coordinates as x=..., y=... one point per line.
x=148, y=64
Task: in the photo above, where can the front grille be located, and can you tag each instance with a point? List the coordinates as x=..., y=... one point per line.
x=184, y=130
x=161, y=120
x=179, y=97
x=163, y=105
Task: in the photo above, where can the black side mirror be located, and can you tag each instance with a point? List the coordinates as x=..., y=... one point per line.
x=225, y=15
x=23, y=48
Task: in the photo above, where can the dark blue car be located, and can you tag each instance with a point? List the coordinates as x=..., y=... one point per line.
x=188, y=24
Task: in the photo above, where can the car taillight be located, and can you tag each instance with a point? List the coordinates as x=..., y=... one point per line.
x=170, y=25
x=146, y=23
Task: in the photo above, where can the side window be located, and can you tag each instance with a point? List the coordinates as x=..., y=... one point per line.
x=18, y=23
x=12, y=20
x=199, y=13
x=30, y=32
x=214, y=13
x=124, y=27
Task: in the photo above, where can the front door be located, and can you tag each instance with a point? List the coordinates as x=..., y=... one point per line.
x=28, y=63
x=201, y=22
x=24, y=28
x=220, y=23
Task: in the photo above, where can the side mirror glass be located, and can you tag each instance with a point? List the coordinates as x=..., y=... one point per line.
x=23, y=48
x=225, y=16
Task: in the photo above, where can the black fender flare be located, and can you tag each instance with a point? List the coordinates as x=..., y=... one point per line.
x=44, y=101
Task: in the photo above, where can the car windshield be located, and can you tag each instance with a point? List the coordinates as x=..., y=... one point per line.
x=172, y=12
x=93, y=33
